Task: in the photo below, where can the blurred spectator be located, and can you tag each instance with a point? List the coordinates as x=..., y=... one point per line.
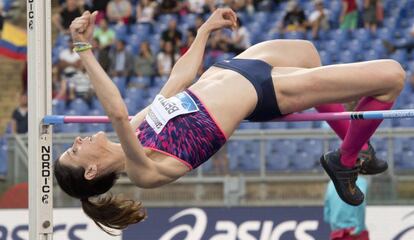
x=68, y=59
x=197, y=24
x=370, y=14
x=169, y=6
x=209, y=6
x=24, y=77
x=3, y=160
x=105, y=35
x=224, y=3
x=294, y=19
x=100, y=6
x=84, y=5
x=319, y=18
x=119, y=11
x=144, y=62
x=349, y=15
x=64, y=18
x=101, y=54
x=122, y=61
x=79, y=85
x=58, y=85
x=380, y=11
x=408, y=45
x=217, y=46
x=218, y=42
x=172, y=34
x=250, y=7
x=145, y=11
x=166, y=59
x=239, y=5
x=1, y=16
x=240, y=38
x=196, y=6
x=347, y=222
x=72, y=74
x=190, y=36
x=19, y=117
x=266, y=5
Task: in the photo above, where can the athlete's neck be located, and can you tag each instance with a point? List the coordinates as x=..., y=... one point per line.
x=115, y=160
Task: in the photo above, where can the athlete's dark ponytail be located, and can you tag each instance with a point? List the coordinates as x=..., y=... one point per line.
x=109, y=211
x=113, y=212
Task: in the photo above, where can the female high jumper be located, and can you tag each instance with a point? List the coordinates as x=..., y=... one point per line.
x=189, y=121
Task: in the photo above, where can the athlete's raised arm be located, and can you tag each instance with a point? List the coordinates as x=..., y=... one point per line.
x=109, y=96
x=185, y=70
x=138, y=118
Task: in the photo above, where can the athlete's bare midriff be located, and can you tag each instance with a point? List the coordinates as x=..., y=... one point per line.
x=227, y=95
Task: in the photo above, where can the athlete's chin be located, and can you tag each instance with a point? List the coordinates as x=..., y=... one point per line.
x=99, y=135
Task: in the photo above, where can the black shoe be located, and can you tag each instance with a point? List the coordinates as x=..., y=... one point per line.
x=343, y=178
x=368, y=162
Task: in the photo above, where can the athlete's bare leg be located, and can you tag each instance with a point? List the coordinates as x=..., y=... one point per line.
x=284, y=53
x=296, y=54
x=300, y=89
x=378, y=83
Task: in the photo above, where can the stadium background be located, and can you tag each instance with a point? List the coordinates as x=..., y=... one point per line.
x=266, y=180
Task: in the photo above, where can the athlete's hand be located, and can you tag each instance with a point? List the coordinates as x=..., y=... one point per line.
x=82, y=27
x=220, y=18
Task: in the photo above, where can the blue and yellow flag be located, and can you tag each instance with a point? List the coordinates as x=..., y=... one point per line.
x=13, y=42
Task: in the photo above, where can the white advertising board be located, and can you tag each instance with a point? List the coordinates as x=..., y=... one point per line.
x=383, y=222
x=390, y=222
x=70, y=223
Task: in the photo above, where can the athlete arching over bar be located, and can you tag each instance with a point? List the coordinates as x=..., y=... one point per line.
x=187, y=123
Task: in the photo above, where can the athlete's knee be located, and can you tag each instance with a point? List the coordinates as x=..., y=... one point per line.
x=307, y=53
x=289, y=53
x=395, y=74
x=313, y=59
x=303, y=46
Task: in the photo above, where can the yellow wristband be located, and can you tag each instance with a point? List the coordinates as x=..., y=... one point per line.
x=82, y=48
x=79, y=44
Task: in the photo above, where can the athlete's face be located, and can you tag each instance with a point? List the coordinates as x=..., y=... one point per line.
x=85, y=151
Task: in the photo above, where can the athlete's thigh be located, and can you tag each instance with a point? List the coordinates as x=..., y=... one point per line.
x=296, y=89
x=284, y=53
x=300, y=89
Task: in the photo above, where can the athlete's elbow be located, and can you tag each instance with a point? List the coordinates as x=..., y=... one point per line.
x=118, y=117
x=119, y=114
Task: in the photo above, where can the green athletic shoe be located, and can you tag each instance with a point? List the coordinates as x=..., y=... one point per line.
x=369, y=164
x=343, y=178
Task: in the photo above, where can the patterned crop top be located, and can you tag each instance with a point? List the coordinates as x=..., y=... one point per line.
x=183, y=128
